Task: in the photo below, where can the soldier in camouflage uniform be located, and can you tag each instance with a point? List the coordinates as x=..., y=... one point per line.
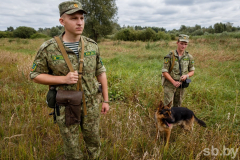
x=172, y=85
x=50, y=68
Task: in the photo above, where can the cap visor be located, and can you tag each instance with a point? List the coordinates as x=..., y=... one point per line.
x=183, y=40
x=75, y=10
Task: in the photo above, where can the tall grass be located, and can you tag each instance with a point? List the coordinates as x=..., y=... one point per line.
x=128, y=130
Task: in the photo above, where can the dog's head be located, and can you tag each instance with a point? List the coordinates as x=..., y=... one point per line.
x=164, y=113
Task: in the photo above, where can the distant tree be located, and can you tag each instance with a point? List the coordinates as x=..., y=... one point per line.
x=100, y=18
x=218, y=28
x=234, y=29
x=23, y=32
x=40, y=30
x=210, y=29
x=47, y=31
x=10, y=29
x=229, y=26
x=138, y=27
x=183, y=28
x=197, y=27
x=116, y=27
x=54, y=31
x=61, y=28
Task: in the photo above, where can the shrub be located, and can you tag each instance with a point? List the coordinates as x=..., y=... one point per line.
x=198, y=32
x=6, y=34
x=235, y=35
x=126, y=35
x=24, y=32
x=54, y=31
x=173, y=37
x=147, y=35
x=38, y=35
x=163, y=36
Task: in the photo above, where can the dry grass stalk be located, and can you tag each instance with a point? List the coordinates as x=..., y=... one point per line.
x=10, y=123
x=18, y=135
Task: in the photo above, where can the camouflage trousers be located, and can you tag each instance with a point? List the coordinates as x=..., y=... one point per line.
x=90, y=132
x=173, y=94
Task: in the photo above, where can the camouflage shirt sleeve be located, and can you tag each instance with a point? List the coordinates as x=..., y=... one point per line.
x=191, y=63
x=40, y=63
x=100, y=67
x=166, y=63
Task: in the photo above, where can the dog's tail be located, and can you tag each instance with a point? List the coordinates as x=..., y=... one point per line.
x=200, y=122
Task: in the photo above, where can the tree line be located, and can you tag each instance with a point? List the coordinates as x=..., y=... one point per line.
x=129, y=33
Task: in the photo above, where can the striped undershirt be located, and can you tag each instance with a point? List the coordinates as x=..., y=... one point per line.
x=73, y=46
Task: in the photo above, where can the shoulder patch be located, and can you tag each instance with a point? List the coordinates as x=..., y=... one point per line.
x=34, y=66
x=101, y=60
x=166, y=60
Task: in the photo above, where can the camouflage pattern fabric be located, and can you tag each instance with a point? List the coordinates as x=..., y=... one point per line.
x=49, y=60
x=171, y=93
x=70, y=7
x=183, y=38
x=187, y=64
x=90, y=131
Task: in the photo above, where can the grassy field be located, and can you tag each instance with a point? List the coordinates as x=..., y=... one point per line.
x=128, y=130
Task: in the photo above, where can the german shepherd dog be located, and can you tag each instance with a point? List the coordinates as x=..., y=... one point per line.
x=167, y=117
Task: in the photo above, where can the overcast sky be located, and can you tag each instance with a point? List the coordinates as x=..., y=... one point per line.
x=169, y=14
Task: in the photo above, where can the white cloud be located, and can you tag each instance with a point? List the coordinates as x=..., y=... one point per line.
x=169, y=14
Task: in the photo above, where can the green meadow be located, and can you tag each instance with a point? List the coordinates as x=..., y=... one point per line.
x=134, y=79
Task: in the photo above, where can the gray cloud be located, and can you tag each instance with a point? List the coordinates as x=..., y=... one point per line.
x=140, y=4
x=168, y=14
x=179, y=2
x=166, y=11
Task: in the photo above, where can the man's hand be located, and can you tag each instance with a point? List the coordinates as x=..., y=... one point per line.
x=177, y=84
x=105, y=108
x=183, y=78
x=71, y=77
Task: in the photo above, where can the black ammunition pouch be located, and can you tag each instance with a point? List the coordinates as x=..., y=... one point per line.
x=72, y=101
x=185, y=84
x=51, y=97
x=99, y=88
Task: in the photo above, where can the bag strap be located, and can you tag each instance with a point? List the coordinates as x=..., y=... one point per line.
x=173, y=61
x=79, y=84
x=180, y=68
x=80, y=73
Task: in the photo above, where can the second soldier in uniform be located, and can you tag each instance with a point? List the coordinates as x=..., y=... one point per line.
x=183, y=69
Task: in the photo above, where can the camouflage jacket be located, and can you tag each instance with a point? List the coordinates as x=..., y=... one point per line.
x=49, y=60
x=186, y=61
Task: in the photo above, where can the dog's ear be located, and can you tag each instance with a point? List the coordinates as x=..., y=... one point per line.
x=161, y=105
x=169, y=105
